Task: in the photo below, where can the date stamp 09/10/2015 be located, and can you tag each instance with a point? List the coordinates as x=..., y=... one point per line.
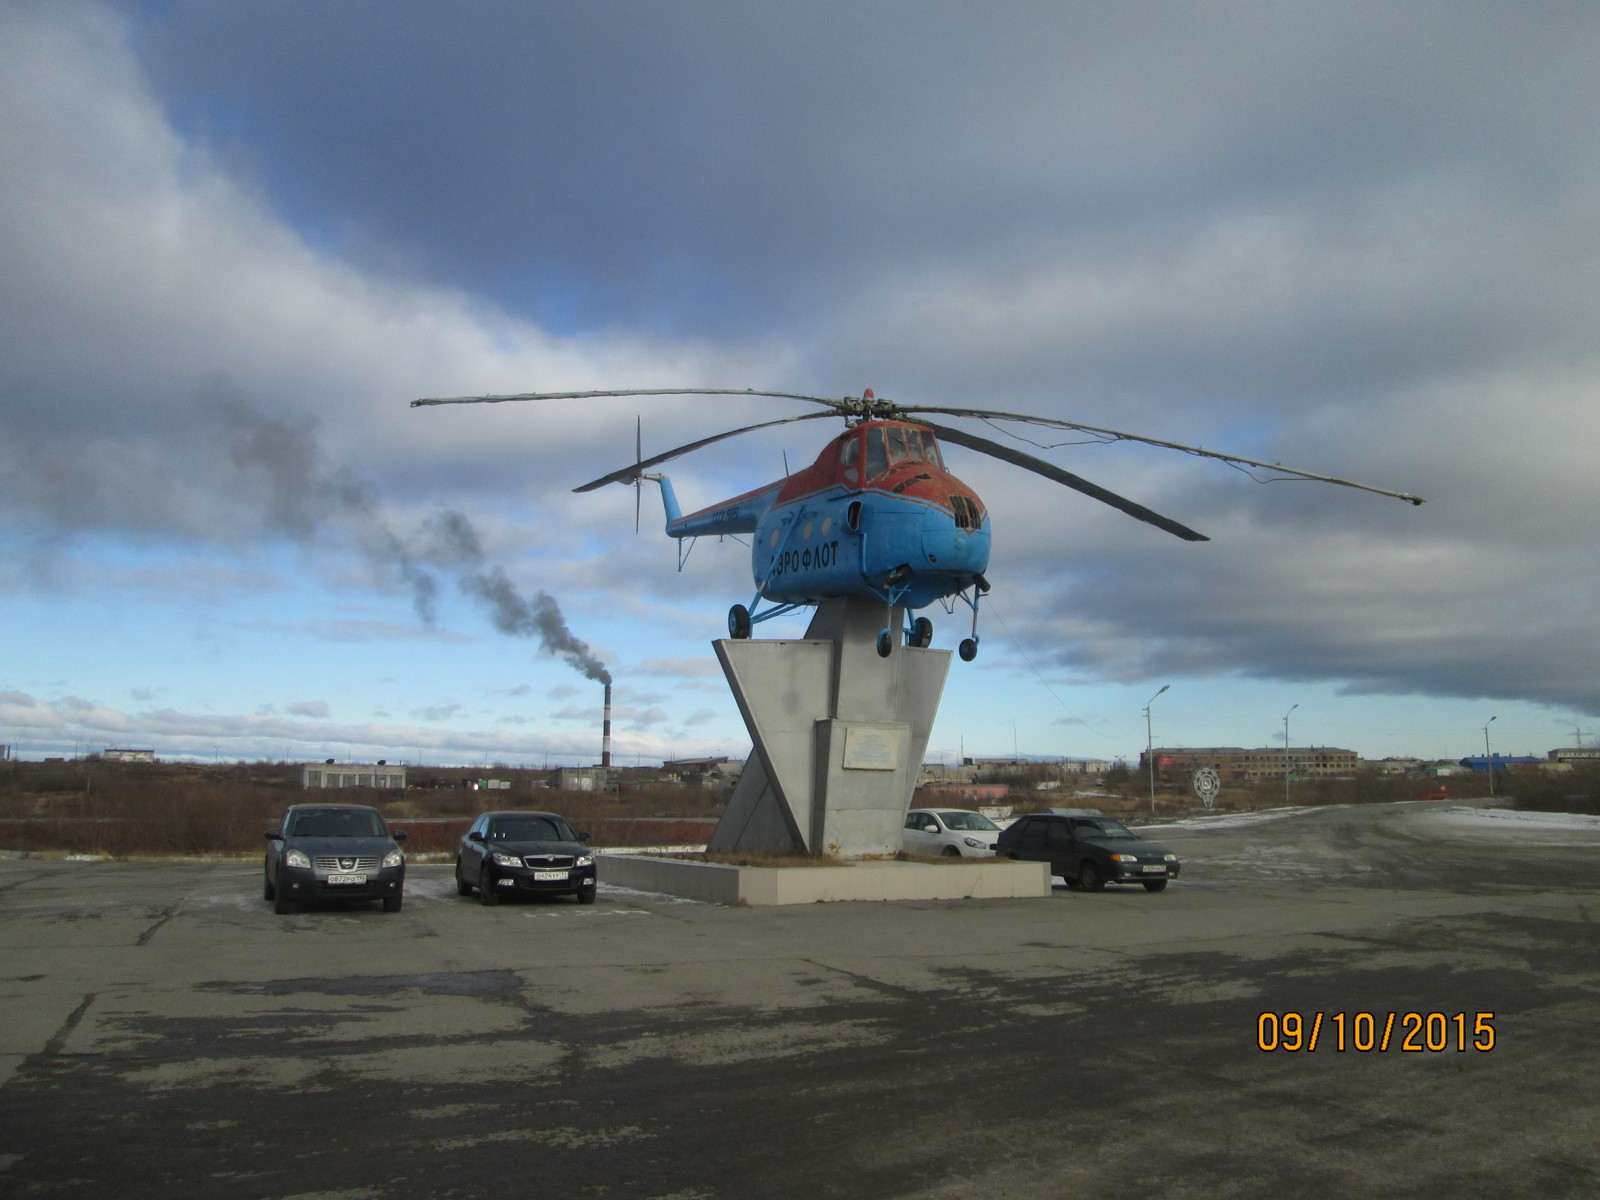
x=1363, y=1032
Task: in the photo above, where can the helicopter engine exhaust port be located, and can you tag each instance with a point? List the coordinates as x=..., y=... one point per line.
x=739, y=622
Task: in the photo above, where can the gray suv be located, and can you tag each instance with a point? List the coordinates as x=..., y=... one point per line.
x=325, y=852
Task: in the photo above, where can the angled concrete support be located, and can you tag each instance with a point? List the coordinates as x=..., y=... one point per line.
x=839, y=734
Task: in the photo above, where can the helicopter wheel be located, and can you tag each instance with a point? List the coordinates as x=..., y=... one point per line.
x=968, y=649
x=739, y=622
x=922, y=632
x=885, y=643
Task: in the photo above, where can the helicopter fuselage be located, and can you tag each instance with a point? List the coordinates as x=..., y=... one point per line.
x=877, y=515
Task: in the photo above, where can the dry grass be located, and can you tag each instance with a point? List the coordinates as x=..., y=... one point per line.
x=769, y=860
x=129, y=810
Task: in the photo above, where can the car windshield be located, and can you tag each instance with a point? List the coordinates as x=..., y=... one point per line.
x=1105, y=829
x=336, y=823
x=969, y=821
x=529, y=829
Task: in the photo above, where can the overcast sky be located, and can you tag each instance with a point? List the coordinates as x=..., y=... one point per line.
x=236, y=240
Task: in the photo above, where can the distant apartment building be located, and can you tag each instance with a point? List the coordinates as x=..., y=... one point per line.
x=1238, y=765
x=352, y=775
x=111, y=755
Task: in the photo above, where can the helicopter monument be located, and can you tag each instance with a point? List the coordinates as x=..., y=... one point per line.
x=876, y=529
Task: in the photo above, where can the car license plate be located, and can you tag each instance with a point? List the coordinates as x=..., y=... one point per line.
x=549, y=876
x=1154, y=869
x=347, y=878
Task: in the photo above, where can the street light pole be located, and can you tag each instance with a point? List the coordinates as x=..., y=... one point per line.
x=1150, y=747
x=1286, y=755
x=1488, y=762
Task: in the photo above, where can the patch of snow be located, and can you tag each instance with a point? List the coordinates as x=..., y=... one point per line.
x=1514, y=821
x=1235, y=820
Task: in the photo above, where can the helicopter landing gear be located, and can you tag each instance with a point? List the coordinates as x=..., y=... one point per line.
x=739, y=622
x=921, y=633
x=968, y=649
x=885, y=643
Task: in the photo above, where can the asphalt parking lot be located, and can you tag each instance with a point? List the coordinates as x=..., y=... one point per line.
x=162, y=1033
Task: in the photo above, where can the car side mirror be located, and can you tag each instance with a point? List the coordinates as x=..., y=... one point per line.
x=475, y=836
x=930, y=829
x=583, y=837
x=273, y=835
x=398, y=835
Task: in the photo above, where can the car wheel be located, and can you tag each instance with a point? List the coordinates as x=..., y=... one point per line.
x=1089, y=877
x=392, y=903
x=486, y=894
x=463, y=888
x=586, y=896
x=282, y=904
x=1155, y=885
x=268, y=892
x=951, y=852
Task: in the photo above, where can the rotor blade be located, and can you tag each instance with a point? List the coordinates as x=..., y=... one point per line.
x=638, y=480
x=1118, y=435
x=1050, y=471
x=841, y=403
x=629, y=473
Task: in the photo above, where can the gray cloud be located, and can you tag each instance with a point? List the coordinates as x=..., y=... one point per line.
x=1360, y=239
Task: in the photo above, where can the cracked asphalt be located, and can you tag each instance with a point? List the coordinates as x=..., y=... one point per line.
x=162, y=1033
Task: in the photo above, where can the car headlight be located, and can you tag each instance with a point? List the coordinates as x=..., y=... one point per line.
x=974, y=843
x=506, y=860
x=584, y=860
x=1125, y=858
x=297, y=858
x=393, y=859
x=1172, y=858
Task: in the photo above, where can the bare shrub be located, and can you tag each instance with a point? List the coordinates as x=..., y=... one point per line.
x=1575, y=791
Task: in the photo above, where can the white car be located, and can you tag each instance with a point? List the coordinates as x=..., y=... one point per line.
x=952, y=832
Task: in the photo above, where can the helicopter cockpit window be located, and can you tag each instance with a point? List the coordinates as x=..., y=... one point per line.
x=877, y=460
x=849, y=455
x=919, y=446
x=896, y=439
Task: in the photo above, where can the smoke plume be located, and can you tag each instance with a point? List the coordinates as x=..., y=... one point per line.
x=303, y=498
x=539, y=617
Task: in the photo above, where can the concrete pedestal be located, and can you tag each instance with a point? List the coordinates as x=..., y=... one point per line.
x=839, y=735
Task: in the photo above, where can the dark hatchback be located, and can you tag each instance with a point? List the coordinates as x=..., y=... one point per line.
x=327, y=852
x=507, y=854
x=1090, y=851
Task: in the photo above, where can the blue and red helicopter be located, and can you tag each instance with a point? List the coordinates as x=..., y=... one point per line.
x=877, y=516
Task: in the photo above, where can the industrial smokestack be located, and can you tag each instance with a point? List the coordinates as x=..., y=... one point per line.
x=605, y=734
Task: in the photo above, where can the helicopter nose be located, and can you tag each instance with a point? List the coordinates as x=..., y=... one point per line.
x=950, y=546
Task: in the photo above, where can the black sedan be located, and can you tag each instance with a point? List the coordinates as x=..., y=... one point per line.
x=333, y=852
x=1089, y=850
x=524, y=854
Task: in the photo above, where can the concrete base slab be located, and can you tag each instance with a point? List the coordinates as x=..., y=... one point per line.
x=890, y=879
